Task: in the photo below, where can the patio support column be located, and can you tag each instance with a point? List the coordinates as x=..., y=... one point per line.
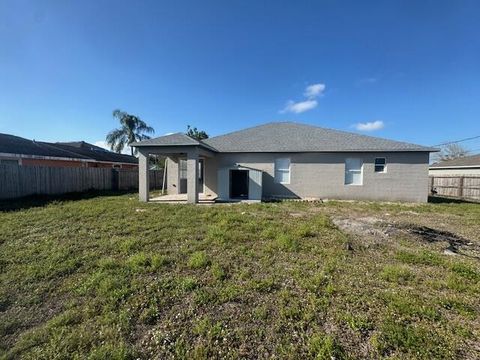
x=143, y=176
x=192, y=176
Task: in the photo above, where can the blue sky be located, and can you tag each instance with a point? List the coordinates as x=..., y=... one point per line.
x=407, y=70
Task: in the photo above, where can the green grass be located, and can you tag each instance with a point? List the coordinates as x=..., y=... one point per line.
x=94, y=278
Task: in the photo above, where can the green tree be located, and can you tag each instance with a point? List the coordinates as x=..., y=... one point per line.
x=196, y=134
x=132, y=129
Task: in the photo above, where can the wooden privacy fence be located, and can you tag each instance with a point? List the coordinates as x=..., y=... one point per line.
x=18, y=181
x=462, y=187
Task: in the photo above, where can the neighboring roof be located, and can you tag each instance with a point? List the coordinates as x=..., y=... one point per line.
x=287, y=137
x=466, y=161
x=295, y=137
x=11, y=144
x=95, y=152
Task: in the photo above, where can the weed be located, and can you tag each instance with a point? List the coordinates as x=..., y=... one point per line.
x=325, y=347
x=397, y=274
x=287, y=242
x=198, y=260
x=218, y=272
x=466, y=271
x=422, y=258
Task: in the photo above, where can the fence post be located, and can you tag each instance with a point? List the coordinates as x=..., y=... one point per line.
x=461, y=183
x=115, y=179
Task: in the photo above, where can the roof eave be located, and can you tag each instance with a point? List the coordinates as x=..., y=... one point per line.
x=202, y=145
x=328, y=151
x=455, y=167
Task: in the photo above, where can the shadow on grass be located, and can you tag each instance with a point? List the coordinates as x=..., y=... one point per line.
x=42, y=200
x=447, y=200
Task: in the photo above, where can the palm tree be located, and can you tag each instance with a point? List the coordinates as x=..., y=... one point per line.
x=132, y=129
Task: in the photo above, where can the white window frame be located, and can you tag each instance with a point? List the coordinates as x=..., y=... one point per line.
x=384, y=165
x=282, y=170
x=357, y=171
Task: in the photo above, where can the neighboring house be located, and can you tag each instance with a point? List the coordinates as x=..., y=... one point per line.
x=19, y=151
x=467, y=165
x=289, y=160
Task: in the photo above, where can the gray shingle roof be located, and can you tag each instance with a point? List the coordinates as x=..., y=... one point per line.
x=286, y=137
x=472, y=160
x=177, y=139
x=295, y=137
x=74, y=150
x=94, y=152
x=12, y=144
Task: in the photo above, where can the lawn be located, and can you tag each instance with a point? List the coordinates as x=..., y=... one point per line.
x=109, y=277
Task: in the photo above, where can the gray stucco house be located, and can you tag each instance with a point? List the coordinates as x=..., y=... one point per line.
x=289, y=160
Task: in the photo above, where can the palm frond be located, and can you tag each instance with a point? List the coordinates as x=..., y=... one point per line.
x=132, y=129
x=120, y=145
x=115, y=138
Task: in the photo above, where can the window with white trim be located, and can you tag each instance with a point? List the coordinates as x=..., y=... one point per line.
x=353, y=171
x=282, y=171
x=380, y=165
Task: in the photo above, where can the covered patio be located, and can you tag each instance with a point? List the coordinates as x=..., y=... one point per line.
x=173, y=146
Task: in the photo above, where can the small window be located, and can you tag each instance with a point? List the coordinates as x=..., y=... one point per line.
x=282, y=171
x=380, y=165
x=353, y=171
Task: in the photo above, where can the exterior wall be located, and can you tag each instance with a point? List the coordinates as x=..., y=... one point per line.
x=52, y=163
x=458, y=171
x=210, y=188
x=173, y=182
x=322, y=175
x=210, y=178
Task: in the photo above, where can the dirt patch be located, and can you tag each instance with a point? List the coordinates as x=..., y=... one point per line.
x=364, y=226
x=430, y=235
x=379, y=229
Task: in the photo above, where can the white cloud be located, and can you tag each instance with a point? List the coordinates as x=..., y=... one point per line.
x=313, y=91
x=370, y=126
x=299, y=107
x=103, y=144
